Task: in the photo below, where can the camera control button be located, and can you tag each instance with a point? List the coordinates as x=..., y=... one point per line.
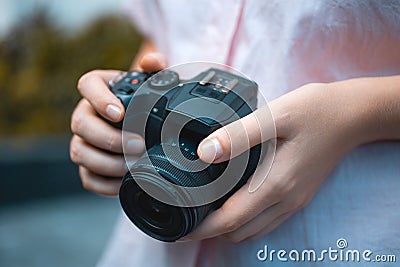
x=209, y=92
x=125, y=90
x=135, y=81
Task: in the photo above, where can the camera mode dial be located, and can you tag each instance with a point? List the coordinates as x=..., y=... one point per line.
x=163, y=80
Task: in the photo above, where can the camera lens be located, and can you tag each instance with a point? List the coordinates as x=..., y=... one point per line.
x=160, y=220
x=156, y=172
x=153, y=210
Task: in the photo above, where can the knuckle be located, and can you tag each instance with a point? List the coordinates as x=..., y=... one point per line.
x=85, y=79
x=228, y=225
x=74, y=152
x=282, y=189
x=76, y=122
x=234, y=238
x=113, y=143
x=223, y=137
x=85, y=180
x=283, y=119
x=86, y=184
x=230, y=222
x=82, y=81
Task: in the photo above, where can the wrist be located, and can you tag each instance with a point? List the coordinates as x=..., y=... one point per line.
x=370, y=108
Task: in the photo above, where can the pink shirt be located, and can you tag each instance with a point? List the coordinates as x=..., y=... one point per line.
x=283, y=45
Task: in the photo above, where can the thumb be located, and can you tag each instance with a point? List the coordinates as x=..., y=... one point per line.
x=238, y=136
x=152, y=62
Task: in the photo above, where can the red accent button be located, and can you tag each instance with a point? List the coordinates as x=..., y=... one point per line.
x=135, y=81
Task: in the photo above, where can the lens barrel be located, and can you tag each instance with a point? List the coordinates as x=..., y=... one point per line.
x=155, y=171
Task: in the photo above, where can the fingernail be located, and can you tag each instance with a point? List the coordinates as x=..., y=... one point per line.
x=135, y=146
x=210, y=150
x=157, y=57
x=113, y=112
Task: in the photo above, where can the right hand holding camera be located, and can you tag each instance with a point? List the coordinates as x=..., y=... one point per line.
x=96, y=146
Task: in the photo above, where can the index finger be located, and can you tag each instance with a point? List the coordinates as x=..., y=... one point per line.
x=237, y=137
x=93, y=86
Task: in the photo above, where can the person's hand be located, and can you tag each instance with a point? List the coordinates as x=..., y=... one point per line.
x=96, y=146
x=315, y=127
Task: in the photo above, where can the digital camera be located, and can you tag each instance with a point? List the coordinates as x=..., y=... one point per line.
x=168, y=191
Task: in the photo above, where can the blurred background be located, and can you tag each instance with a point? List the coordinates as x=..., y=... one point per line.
x=46, y=218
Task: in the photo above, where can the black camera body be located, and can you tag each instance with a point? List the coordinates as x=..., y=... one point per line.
x=176, y=115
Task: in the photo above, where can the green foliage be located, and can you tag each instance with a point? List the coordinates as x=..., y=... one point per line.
x=40, y=65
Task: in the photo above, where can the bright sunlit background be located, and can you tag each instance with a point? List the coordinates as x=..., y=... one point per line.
x=46, y=218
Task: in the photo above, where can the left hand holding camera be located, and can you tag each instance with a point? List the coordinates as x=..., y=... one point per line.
x=316, y=125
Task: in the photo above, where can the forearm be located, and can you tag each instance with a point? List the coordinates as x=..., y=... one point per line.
x=371, y=107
